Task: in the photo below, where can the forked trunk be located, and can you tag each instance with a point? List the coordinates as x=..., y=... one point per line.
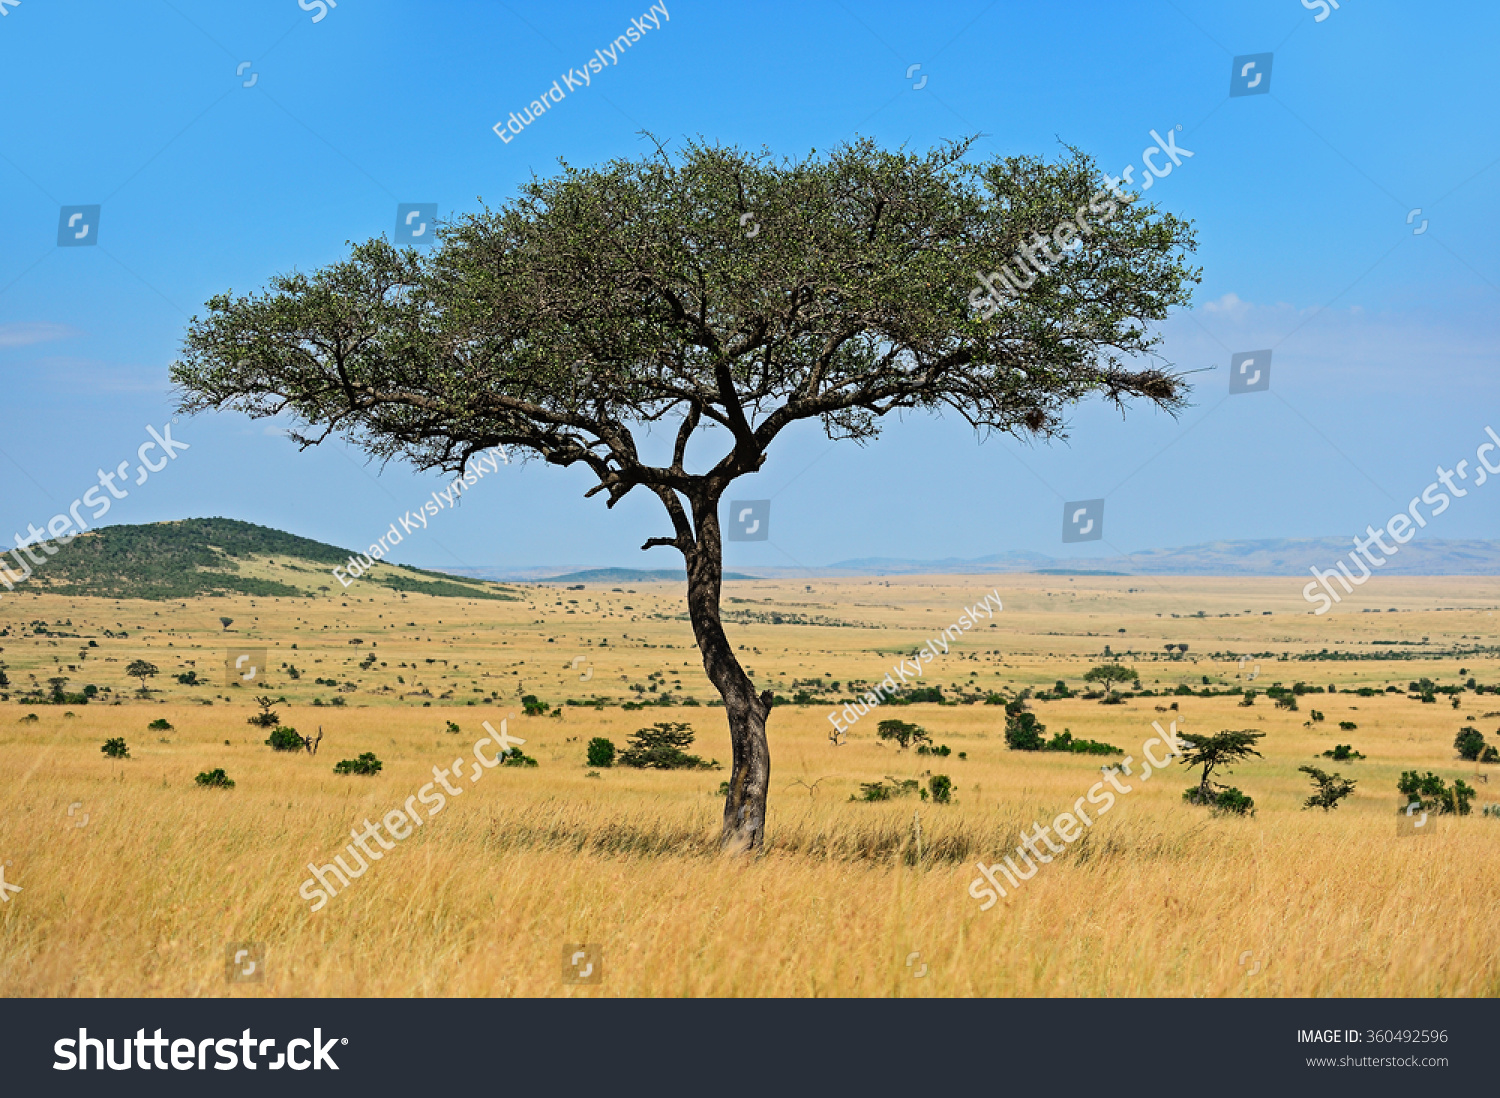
x=744, y=828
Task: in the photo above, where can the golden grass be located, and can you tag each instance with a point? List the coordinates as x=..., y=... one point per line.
x=1158, y=899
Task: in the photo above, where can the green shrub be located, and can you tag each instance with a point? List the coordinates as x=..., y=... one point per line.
x=365, y=764
x=1328, y=789
x=1433, y=794
x=161, y=724
x=285, y=739
x=1221, y=800
x=660, y=747
x=115, y=749
x=215, y=779
x=941, y=749
x=516, y=757
x=1023, y=732
x=1469, y=743
x=904, y=733
x=1347, y=726
x=534, y=706
x=941, y=787
x=601, y=752
x=1342, y=752
x=880, y=791
x=30, y=718
x=1066, y=742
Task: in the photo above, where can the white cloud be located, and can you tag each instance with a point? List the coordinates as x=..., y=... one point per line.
x=24, y=335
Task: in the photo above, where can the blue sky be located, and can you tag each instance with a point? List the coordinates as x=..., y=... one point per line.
x=1383, y=337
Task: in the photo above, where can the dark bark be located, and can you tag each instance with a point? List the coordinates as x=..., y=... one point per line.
x=744, y=828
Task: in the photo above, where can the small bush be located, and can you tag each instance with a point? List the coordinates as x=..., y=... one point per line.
x=30, y=718
x=1469, y=743
x=161, y=724
x=660, y=747
x=115, y=749
x=1433, y=794
x=215, y=779
x=1347, y=726
x=516, y=757
x=1342, y=752
x=285, y=739
x=1023, y=732
x=1328, y=789
x=941, y=788
x=1221, y=800
x=601, y=752
x=941, y=750
x=534, y=706
x=880, y=791
x=452, y=726
x=366, y=764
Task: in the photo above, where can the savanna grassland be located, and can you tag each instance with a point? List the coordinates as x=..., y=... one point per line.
x=140, y=888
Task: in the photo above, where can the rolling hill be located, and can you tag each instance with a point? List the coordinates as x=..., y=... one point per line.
x=216, y=556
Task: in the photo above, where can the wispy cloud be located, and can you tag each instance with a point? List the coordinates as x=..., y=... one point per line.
x=24, y=335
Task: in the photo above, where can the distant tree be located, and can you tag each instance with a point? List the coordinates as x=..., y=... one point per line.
x=1107, y=674
x=603, y=302
x=226, y=623
x=57, y=685
x=1328, y=789
x=141, y=669
x=904, y=733
x=1470, y=743
x=942, y=788
x=115, y=749
x=267, y=717
x=1221, y=750
x=1023, y=732
x=601, y=752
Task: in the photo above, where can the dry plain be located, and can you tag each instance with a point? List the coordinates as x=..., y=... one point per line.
x=1159, y=899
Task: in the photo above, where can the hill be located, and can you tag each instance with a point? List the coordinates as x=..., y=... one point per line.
x=217, y=556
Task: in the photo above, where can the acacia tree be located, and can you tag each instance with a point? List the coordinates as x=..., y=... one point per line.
x=143, y=670
x=1107, y=674
x=602, y=303
x=1222, y=749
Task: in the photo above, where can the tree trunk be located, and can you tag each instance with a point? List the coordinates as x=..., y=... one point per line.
x=744, y=828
